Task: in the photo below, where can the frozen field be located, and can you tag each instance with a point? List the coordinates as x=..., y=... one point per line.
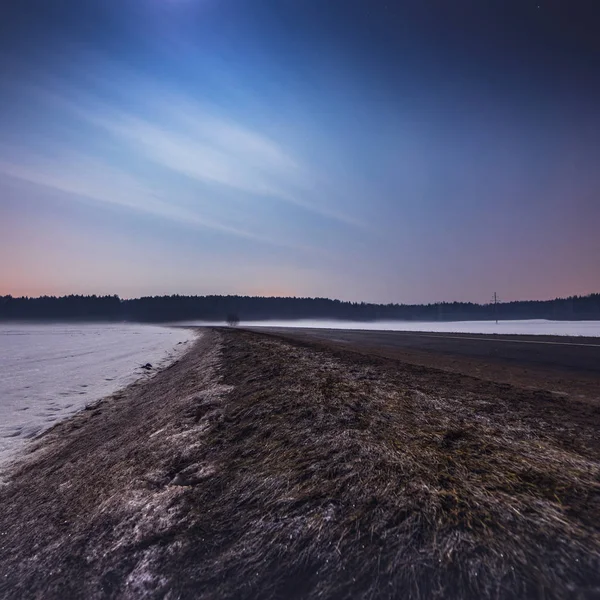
x=48, y=372
x=532, y=327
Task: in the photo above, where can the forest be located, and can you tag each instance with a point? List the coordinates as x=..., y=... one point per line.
x=250, y=308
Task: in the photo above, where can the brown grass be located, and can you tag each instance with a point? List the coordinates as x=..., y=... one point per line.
x=352, y=480
x=332, y=475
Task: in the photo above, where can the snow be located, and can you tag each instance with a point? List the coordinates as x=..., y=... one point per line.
x=525, y=327
x=48, y=372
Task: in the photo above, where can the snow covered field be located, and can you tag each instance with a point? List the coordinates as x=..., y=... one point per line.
x=532, y=327
x=48, y=372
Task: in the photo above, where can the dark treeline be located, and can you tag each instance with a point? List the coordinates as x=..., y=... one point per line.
x=217, y=308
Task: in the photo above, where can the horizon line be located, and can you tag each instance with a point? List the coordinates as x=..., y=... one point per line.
x=436, y=303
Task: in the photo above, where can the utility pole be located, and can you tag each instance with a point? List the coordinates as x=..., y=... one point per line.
x=496, y=307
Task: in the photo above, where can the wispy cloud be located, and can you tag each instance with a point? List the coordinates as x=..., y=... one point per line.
x=198, y=141
x=91, y=179
x=162, y=153
x=218, y=152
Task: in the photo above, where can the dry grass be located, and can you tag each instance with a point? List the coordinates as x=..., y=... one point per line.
x=347, y=480
x=330, y=475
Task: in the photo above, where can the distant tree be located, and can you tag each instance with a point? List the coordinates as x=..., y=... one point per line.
x=233, y=320
x=212, y=308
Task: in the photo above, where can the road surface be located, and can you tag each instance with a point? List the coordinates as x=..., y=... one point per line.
x=565, y=364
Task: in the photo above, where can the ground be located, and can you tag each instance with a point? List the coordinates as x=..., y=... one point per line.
x=265, y=467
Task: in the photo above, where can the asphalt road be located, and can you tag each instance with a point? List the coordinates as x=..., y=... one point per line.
x=573, y=355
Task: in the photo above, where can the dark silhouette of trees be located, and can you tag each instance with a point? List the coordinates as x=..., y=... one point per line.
x=233, y=320
x=84, y=308
x=218, y=308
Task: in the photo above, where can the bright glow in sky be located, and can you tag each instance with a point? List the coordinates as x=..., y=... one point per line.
x=297, y=149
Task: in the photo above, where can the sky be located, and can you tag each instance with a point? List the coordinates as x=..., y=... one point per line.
x=407, y=151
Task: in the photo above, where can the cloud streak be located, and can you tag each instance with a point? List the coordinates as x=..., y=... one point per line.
x=198, y=142
x=87, y=178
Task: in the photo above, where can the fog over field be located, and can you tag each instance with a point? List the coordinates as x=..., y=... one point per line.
x=48, y=372
x=528, y=327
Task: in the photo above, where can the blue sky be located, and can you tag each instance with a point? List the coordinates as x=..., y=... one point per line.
x=377, y=151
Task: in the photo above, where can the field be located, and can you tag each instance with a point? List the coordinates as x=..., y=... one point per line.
x=261, y=466
x=49, y=371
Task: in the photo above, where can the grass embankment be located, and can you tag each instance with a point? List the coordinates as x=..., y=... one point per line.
x=266, y=469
